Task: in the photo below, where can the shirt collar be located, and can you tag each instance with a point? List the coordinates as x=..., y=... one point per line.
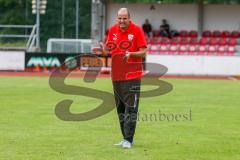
x=128, y=29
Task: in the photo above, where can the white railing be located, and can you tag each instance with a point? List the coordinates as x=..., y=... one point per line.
x=31, y=38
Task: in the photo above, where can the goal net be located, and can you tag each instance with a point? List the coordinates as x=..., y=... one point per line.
x=69, y=45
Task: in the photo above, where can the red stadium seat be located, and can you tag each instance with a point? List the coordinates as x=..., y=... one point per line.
x=175, y=40
x=173, y=49
x=165, y=40
x=213, y=41
x=202, y=49
x=223, y=41
x=164, y=49
x=154, y=40
x=235, y=34
x=226, y=34
x=193, y=41
x=231, y=50
x=216, y=34
x=147, y=40
x=184, y=40
x=153, y=49
x=156, y=33
x=183, y=33
x=193, y=49
x=221, y=50
x=207, y=33
x=204, y=41
x=212, y=50
x=232, y=41
x=183, y=49
x=193, y=34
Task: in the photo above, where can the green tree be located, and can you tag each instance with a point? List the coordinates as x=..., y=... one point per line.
x=51, y=22
x=20, y=12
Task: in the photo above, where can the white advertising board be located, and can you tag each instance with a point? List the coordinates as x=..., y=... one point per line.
x=12, y=60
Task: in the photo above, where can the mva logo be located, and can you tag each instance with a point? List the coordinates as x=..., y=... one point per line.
x=44, y=61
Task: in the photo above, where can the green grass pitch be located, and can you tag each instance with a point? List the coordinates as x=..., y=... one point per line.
x=29, y=129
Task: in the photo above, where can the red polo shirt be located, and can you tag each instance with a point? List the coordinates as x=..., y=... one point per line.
x=119, y=42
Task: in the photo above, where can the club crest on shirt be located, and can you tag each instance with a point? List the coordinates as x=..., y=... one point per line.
x=130, y=37
x=114, y=36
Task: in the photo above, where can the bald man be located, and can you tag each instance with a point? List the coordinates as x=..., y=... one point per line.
x=127, y=45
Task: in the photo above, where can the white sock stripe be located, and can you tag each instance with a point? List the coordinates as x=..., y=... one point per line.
x=135, y=100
